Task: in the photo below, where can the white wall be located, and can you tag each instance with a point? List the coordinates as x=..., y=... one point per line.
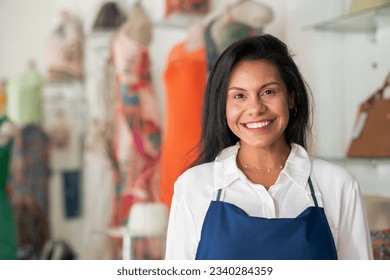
x=338, y=67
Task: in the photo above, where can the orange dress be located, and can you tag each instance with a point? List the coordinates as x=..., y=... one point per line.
x=185, y=80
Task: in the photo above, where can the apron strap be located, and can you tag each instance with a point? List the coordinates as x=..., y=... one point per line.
x=219, y=194
x=312, y=192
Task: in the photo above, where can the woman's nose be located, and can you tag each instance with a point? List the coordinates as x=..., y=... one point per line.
x=256, y=106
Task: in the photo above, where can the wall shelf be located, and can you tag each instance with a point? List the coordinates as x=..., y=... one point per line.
x=367, y=21
x=357, y=161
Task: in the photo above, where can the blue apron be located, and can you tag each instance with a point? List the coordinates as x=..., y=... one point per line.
x=228, y=233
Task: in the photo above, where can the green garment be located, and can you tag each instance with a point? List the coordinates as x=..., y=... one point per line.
x=8, y=237
x=24, y=105
x=233, y=32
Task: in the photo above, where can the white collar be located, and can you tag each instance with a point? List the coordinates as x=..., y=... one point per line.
x=297, y=167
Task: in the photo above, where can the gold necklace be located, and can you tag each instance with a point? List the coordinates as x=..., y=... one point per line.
x=259, y=169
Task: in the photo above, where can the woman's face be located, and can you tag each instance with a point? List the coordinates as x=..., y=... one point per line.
x=257, y=104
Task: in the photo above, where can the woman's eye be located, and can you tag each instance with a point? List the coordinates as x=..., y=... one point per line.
x=267, y=92
x=238, y=96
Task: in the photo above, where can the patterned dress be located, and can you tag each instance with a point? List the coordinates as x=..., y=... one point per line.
x=138, y=133
x=29, y=183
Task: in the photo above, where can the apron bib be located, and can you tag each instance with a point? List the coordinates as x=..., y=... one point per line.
x=228, y=233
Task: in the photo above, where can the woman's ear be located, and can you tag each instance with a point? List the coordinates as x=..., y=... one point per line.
x=291, y=101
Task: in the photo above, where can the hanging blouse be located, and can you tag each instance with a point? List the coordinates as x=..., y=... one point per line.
x=24, y=104
x=232, y=31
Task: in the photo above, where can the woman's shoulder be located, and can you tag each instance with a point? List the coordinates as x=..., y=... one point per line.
x=198, y=174
x=328, y=173
x=197, y=180
x=327, y=166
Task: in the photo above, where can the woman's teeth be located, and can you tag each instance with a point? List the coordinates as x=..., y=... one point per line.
x=258, y=124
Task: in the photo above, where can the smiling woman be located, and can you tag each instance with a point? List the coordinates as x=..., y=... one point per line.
x=257, y=112
x=254, y=192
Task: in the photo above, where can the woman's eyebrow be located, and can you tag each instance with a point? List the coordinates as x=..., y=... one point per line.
x=263, y=86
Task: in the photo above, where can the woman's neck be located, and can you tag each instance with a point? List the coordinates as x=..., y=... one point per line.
x=264, y=158
x=263, y=165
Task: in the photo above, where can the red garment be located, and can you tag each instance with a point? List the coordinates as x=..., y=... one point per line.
x=194, y=7
x=185, y=79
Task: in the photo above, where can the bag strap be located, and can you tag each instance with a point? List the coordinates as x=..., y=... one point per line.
x=379, y=93
x=385, y=85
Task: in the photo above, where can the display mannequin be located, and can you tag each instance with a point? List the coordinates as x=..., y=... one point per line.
x=65, y=52
x=195, y=36
x=8, y=237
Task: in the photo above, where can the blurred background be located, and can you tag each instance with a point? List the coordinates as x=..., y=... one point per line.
x=101, y=100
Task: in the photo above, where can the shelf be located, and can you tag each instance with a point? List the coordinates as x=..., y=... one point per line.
x=358, y=161
x=367, y=21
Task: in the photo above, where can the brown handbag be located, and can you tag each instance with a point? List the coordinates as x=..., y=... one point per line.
x=371, y=134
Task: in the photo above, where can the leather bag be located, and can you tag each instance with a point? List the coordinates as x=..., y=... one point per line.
x=371, y=134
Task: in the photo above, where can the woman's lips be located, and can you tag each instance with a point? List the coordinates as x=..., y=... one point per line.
x=259, y=124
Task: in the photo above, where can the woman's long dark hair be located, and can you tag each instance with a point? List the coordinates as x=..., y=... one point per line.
x=216, y=135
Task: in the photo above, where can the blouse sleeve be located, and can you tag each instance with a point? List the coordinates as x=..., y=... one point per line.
x=181, y=243
x=354, y=242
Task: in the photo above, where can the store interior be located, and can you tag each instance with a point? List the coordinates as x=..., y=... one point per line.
x=95, y=152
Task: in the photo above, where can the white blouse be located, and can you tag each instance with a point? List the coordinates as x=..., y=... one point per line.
x=335, y=189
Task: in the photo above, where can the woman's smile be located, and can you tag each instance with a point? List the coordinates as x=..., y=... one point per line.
x=259, y=124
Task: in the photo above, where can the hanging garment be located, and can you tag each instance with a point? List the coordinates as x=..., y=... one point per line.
x=8, y=236
x=228, y=233
x=381, y=244
x=232, y=31
x=3, y=98
x=193, y=7
x=99, y=163
x=65, y=50
x=185, y=81
x=29, y=183
x=109, y=17
x=138, y=120
x=24, y=104
x=137, y=107
x=72, y=193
